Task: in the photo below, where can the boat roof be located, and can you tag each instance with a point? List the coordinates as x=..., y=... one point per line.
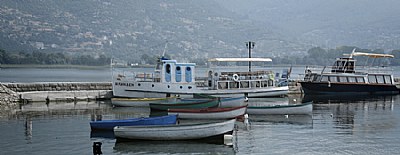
x=373, y=55
x=240, y=60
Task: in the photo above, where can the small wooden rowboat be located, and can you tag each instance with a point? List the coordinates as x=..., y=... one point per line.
x=209, y=113
x=138, y=102
x=174, y=132
x=184, y=105
x=290, y=109
x=110, y=124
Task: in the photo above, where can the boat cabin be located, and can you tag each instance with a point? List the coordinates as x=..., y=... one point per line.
x=344, y=65
x=232, y=77
x=173, y=72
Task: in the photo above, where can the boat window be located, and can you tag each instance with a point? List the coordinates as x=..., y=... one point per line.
x=360, y=80
x=333, y=78
x=351, y=79
x=372, y=79
x=380, y=79
x=178, y=68
x=342, y=79
x=168, y=68
x=388, y=79
x=311, y=78
x=324, y=78
x=317, y=78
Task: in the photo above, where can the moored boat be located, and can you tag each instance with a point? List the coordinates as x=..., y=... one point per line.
x=110, y=124
x=173, y=78
x=175, y=132
x=345, y=79
x=287, y=109
x=223, y=101
x=138, y=102
x=209, y=113
x=185, y=105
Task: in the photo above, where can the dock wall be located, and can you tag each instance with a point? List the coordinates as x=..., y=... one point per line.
x=60, y=91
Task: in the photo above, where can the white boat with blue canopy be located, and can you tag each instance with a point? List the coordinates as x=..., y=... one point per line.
x=173, y=78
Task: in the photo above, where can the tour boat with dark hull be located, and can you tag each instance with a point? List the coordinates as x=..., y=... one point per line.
x=343, y=78
x=171, y=78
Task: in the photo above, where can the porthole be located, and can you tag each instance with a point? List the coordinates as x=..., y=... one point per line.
x=181, y=87
x=138, y=84
x=190, y=87
x=152, y=85
x=168, y=86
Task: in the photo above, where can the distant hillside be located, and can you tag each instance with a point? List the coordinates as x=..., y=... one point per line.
x=328, y=23
x=127, y=29
x=196, y=29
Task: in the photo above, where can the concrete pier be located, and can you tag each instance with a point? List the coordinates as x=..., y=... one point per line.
x=59, y=91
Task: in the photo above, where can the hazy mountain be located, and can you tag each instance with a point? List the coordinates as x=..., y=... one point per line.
x=331, y=23
x=127, y=29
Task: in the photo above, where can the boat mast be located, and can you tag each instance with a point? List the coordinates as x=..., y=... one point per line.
x=159, y=63
x=250, y=45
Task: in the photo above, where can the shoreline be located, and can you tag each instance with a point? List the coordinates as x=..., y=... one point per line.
x=52, y=66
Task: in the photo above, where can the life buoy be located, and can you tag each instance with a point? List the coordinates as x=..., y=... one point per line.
x=235, y=77
x=271, y=76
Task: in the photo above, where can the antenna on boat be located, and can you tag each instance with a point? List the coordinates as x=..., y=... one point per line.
x=165, y=49
x=352, y=53
x=158, y=66
x=250, y=45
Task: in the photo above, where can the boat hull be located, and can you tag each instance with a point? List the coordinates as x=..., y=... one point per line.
x=224, y=102
x=175, y=132
x=291, y=109
x=183, y=105
x=110, y=124
x=158, y=90
x=210, y=113
x=138, y=102
x=348, y=88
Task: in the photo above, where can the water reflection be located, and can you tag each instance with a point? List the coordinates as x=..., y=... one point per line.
x=102, y=134
x=358, y=115
x=171, y=147
x=343, y=98
x=287, y=119
x=28, y=129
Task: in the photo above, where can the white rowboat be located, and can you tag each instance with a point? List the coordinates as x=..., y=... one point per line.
x=209, y=113
x=290, y=109
x=175, y=132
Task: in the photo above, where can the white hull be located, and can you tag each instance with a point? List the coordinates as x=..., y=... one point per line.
x=281, y=109
x=160, y=91
x=174, y=132
x=223, y=102
x=138, y=102
x=210, y=115
x=232, y=102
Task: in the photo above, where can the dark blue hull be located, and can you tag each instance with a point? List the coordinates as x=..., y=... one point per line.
x=348, y=88
x=110, y=124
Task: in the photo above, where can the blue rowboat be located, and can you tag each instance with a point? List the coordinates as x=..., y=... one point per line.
x=110, y=124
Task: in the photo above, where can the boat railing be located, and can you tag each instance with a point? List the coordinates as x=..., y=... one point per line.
x=244, y=83
x=138, y=76
x=357, y=70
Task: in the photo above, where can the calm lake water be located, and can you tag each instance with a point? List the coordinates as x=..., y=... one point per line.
x=338, y=125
